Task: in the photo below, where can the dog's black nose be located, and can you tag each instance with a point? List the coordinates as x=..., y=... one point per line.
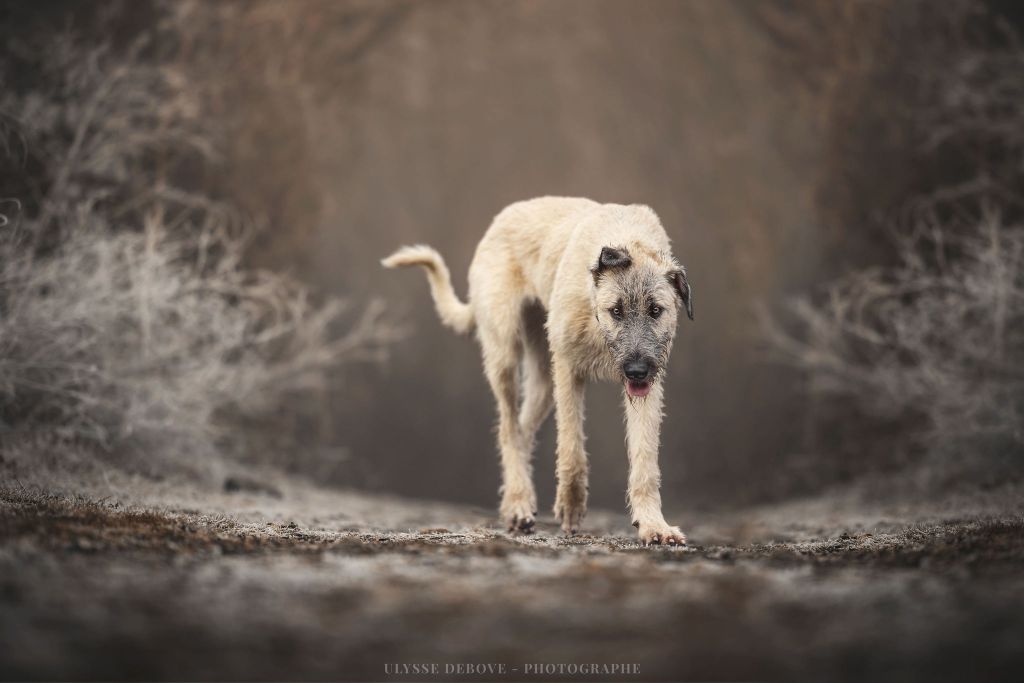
x=636, y=370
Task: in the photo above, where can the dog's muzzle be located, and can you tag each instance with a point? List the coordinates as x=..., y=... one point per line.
x=639, y=373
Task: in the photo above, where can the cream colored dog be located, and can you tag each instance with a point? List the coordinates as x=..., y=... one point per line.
x=563, y=290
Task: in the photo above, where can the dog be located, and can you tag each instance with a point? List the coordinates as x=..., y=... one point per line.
x=563, y=290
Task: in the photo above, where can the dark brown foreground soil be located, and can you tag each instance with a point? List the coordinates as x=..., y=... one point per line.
x=103, y=590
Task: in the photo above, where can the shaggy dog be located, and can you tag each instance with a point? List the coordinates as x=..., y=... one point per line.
x=562, y=290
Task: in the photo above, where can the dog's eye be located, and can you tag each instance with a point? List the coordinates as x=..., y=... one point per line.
x=617, y=312
x=655, y=310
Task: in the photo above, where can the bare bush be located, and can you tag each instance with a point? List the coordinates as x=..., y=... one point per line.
x=941, y=334
x=142, y=334
x=936, y=338
x=127, y=314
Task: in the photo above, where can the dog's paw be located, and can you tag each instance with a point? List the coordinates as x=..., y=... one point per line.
x=660, y=533
x=519, y=515
x=570, y=511
x=522, y=524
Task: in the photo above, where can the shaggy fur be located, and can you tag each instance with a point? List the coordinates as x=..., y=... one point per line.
x=563, y=290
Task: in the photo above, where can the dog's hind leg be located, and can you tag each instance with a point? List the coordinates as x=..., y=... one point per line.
x=501, y=363
x=538, y=395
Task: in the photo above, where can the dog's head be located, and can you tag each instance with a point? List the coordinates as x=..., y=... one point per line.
x=637, y=295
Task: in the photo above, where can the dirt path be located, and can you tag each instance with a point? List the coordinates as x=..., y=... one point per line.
x=107, y=590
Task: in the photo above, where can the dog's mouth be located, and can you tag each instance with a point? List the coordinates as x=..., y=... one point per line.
x=638, y=389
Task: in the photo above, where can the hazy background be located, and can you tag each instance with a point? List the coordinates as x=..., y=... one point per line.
x=466, y=108
x=232, y=443
x=776, y=141
x=459, y=109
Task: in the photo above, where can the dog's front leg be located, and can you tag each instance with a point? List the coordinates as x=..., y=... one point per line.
x=571, y=465
x=643, y=429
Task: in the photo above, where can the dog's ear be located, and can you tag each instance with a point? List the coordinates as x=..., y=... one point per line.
x=610, y=258
x=682, y=285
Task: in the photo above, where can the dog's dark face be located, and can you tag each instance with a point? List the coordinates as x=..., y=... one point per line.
x=637, y=297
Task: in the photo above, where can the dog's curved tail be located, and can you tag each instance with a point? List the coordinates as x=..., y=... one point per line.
x=454, y=313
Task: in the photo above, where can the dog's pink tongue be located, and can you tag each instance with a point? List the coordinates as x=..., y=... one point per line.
x=638, y=389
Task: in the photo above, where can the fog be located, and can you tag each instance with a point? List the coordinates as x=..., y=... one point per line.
x=785, y=147
x=455, y=112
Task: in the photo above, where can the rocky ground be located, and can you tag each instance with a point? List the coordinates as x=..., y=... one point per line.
x=293, y=582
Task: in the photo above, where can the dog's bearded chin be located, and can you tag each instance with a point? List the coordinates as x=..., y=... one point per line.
x=638, y=389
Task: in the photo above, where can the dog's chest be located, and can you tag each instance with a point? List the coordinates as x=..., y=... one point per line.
x=592, y=358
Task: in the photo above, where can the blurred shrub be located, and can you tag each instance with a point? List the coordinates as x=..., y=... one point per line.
x=940, y=335
x=129, y=321
x=933, y=340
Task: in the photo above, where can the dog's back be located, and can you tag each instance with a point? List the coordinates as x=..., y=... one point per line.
x=521, y=251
